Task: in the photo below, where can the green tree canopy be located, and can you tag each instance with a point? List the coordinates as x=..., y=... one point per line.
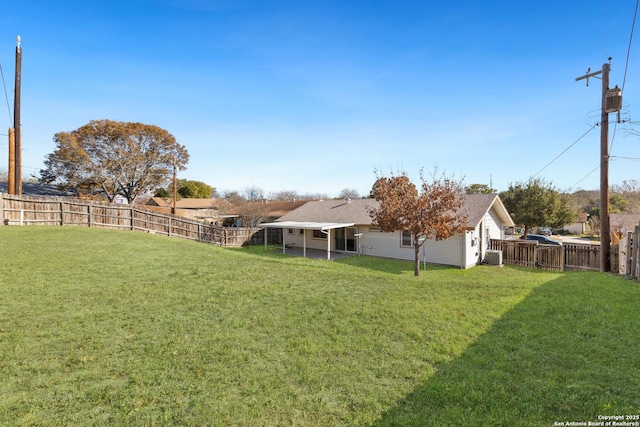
x=114, y=157
x=479, y=189
x=194, y=189
x=536, y=203
x=429, y=213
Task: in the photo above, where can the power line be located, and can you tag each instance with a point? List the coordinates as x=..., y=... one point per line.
x=633, y=24
x=625, y=158
x=4, y=84
x=564, y=151
x=626, y=68
x=585, y=177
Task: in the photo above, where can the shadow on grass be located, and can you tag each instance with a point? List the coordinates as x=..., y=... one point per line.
x=386, y=265
x=568, y=352
x=392, y=266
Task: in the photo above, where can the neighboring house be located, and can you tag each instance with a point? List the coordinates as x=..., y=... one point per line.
x=346, y=226
x=35, y=189
x=580, y=226
x=265, y=210
x=201, y=209
x=622, y=223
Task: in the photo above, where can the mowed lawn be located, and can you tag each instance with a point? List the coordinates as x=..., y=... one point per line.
x=102, y=327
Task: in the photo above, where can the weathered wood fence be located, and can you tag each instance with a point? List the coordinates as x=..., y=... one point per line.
x=569, y=256
x=63, y=211
x=630, y=255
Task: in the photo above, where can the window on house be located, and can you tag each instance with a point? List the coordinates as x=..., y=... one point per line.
x=374, y=228
x=291, y=231
x=319, y=234
x=301, y=231
x=406, y=239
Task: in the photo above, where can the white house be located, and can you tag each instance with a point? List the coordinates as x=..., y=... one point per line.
x=346, y=226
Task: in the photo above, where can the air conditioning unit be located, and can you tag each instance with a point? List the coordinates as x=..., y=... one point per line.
x=494, y=257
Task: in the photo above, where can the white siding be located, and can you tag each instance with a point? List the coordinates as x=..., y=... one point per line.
x=463, y=250
x=387, y=245
x=311, y=242
x=447, y=252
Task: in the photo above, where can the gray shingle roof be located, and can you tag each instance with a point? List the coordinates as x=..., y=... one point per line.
x=623, y=222
x=357, y=210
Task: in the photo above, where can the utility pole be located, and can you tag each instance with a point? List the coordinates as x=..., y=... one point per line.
x=175, y=186
x=17, y=134
x=605, y=229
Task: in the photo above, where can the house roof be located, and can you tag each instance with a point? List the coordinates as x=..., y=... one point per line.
x=35, y=189
x=191, y=203
x=476, y=207
x=274, y=208
x=336, y=211
x=623, y=222
x=356, y=211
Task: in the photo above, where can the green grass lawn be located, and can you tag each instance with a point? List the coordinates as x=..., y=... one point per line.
x=101, y=327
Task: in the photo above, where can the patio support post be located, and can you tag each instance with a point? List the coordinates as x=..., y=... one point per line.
x=328, y=233
x=304, y=243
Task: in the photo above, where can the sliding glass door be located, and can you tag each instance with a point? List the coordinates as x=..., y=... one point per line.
x=346, y=240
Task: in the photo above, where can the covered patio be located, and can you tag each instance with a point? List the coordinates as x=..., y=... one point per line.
x=323, y=227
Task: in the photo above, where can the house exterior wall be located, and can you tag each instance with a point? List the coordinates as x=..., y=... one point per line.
x=463, y=250
x=311, y=242
x=477, y=240
x=576, y=228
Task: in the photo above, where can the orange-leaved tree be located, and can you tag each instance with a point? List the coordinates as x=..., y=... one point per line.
x=431, y=212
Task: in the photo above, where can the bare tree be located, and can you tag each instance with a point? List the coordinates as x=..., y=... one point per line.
x=284, y=195
x=349, y=193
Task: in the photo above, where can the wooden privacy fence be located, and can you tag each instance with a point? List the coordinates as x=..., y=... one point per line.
x=631, y=254
x=62, y=211
x=551, y=257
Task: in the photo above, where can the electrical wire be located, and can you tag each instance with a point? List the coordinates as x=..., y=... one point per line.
x=4, y=84
x=585, y=177
x=626, y=68
x=625, y=158
x=564, y=151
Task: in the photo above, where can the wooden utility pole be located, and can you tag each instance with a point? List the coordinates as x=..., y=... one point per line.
x=175, y=185
x=605, y=229
x=12, y=163
x=16, y=123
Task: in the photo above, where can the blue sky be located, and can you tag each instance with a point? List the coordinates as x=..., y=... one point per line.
x=315, y=96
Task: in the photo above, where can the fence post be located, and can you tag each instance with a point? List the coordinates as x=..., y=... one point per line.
x=61, y=214
x=131, y=214
x=634, y=258
x=628, y=254
x=89, y=212
x=2, y=208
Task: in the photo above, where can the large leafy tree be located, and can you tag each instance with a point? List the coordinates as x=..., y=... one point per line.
x=537, y=203
x=190, y=189
x=115, y=158
x=430, y=212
